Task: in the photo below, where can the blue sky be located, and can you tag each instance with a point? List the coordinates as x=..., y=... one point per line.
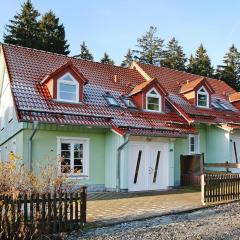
x=113, y=26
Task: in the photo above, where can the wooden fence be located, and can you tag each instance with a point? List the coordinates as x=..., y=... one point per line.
x=49, y=213
x=220, y=187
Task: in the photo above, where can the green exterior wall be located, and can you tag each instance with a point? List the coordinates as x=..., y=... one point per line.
x=45, y=149
x=214, y=142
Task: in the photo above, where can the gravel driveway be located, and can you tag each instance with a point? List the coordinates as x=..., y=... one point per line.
x=220, y=222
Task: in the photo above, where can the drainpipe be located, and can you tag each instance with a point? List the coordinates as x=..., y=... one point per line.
x=35, y=126
x=120, y=148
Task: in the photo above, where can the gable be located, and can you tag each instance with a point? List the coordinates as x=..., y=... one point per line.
x=67, y=73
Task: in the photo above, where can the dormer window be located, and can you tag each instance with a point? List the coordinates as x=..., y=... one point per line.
x=202, y=98
x=153, y=101
x=68, y=89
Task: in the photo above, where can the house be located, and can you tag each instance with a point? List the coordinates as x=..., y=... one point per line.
x=109, y=127
x=210, y=105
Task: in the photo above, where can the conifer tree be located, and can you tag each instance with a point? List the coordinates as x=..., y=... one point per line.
x=52, y=34
x=174, y=56
x=24, y=29
x=128, y=59
x=106, y=59
x=230, y=70
x=200, y=63
x=149, y=48
x=85, y=53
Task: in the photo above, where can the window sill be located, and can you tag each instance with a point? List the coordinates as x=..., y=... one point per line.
x=153, y=111
x=195, y=153
x=202, y=106
x=77, y=177
x=64, y=101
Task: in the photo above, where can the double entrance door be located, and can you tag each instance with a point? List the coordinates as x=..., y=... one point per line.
x=148, y=166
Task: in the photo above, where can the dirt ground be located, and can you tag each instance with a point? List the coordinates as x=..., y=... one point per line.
x=219, y=222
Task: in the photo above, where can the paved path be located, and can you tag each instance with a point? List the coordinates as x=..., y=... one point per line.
x=110, y=208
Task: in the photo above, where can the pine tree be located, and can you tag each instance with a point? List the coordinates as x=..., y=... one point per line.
x=24, y=29
x=85, y=53
x=230, y=70
x=53, y=34
x=174, y=57
x=201, y=63
x=150, y=48
x=128, y=59
x=106, y=59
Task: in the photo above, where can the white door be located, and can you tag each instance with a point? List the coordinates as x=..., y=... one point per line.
x=137, y=167
x=158, y=167
x=148, y=166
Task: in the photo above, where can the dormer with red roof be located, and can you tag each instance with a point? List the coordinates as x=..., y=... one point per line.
x=198, y=92
x=150, y=96
x=65, y=84
x=234, y=99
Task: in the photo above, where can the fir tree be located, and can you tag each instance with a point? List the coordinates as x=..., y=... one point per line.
x=230, y=70
x=200, y=63
x=53, y=34
x=24, y=29
x=150, y=48
x=128, y=59
x=85, y=53
x=106, y=59
x=174, y=56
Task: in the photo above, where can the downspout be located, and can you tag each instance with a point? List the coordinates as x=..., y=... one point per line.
x=119, y=150
x=35, y=126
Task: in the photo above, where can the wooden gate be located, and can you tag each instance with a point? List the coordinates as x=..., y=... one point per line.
x=191, y=169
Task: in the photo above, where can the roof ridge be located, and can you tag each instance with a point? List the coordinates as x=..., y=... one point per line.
x=59, y=54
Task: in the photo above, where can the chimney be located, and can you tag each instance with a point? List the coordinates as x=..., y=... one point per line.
x=115, y=78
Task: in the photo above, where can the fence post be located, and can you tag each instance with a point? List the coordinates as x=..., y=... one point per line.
x=202, y=189
x=83, y=205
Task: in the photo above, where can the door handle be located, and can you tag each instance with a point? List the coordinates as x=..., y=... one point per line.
x=150, y=170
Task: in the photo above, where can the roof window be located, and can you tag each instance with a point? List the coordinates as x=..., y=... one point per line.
x=111, y=100
x=128, y=102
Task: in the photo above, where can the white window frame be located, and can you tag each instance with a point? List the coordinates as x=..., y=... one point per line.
x=75, y=83
x=196, y=144
x=72, y=140
x=203, y=93
x=154, y=96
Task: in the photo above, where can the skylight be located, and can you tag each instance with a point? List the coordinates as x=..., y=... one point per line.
x=111, y=100
x=216, y=105
x=220, y=105
x=224, y=106
x=128, y=102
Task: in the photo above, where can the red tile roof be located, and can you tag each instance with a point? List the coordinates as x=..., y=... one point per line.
x=140, y=87
x=173, y=81
x=192, y=85
x=28, y=67
x=68, y=64
x=234, y=97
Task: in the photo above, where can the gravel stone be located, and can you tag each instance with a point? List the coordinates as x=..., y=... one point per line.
x=219, y=222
